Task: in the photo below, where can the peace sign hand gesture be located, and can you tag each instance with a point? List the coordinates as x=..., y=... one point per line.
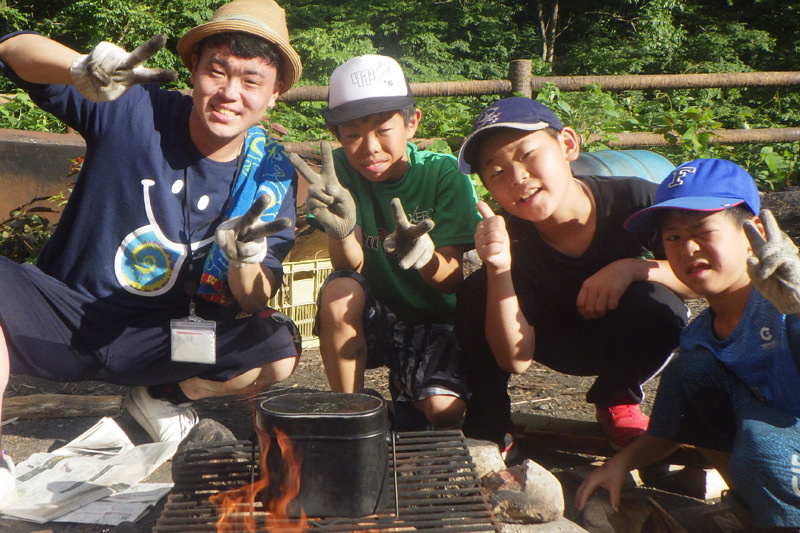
x=243, y=239
x=409, y=241
x=774, y=266
x=328, y=201
x=108, y=71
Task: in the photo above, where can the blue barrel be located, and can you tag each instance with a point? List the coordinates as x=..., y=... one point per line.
x=640, y=163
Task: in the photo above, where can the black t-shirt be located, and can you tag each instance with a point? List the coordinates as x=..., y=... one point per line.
x=547, y=281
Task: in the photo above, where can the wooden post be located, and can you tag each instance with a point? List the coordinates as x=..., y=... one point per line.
x=60, y=406
x=519, y=73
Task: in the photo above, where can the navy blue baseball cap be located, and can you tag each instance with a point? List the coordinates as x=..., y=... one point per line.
x=700, y=185
x=517, y=113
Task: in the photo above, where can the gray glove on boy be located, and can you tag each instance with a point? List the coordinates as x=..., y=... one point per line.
x=410, y=241
x=243, y=239
x=774, y=266
x=330, y=203
x=108, y=71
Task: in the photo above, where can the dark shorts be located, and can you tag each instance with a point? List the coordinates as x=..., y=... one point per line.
x=57, y=333
x=423, y=359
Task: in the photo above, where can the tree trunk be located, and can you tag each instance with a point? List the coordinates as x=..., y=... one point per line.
x=548, y=29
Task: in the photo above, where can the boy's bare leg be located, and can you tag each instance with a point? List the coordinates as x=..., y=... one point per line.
x=442, y=411
x=250, y=382
x=342, y=343
x=8, y=491
x=4, y=370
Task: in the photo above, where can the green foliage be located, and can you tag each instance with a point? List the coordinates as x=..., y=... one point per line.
x=685, y=119
x=26, y=230
x=22, y=114
x=445, y=40
x=451, y=40
x=15, y=19
x=303, y=121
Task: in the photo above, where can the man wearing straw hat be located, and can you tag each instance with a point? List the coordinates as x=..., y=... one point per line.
x=159, y=271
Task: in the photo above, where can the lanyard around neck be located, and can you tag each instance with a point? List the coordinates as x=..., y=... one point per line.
x=190, y=286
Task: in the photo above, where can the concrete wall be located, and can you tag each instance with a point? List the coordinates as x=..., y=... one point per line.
x=34, y=164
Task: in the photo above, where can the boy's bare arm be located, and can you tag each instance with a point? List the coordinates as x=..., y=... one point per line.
x=104, y=74
x=243, y=240
x=444, y=270
x=347, y=253
x=643, y=451
x=508, y=333
x=659, y=271
x=37, y=59
x=601, y=292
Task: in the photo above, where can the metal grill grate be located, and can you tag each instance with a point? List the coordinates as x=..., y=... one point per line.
x=438, y=489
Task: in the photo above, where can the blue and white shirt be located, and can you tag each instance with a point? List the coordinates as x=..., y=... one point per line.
x=763, y=351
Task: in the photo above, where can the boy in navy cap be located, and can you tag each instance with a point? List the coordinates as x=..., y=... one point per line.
x=563, y=283
x=733, y=388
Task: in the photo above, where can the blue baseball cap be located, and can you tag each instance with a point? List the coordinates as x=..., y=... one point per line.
x=699, y=185
x=517, y=113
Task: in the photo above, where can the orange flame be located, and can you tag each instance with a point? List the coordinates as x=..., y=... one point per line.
x=236, y=508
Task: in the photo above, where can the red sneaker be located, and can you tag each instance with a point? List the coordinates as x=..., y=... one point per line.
x=622, y=423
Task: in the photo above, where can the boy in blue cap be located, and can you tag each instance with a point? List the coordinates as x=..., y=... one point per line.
x=563, y=283
x=733, y=388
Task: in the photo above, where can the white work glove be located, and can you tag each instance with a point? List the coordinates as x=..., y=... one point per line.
x=108, y=71
x=243, y=239
x=409, y=241
x=330, y=203
x=774, y=266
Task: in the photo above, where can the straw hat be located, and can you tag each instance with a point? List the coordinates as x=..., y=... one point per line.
x=262, y=18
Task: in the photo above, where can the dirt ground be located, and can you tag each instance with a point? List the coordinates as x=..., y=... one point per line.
x=539, y=390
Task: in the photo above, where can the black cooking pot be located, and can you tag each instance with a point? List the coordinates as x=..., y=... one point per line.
x=342, y=443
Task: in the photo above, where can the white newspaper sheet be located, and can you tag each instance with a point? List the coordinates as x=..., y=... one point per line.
x=100, y=462
x=126, y=506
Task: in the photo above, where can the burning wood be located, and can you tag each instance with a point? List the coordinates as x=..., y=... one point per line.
x=236, y=508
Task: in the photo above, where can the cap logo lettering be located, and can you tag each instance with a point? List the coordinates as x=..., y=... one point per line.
x=363, y=78
x=490, y=116
x=678, y=175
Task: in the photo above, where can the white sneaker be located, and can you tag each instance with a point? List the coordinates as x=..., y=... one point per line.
x=162, y=420
x=8, y=483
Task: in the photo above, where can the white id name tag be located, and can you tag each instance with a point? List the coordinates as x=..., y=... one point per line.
x=193, y=340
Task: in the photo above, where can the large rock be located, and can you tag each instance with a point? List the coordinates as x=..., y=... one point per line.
x=635, y=515
x=486, y=456
x=526, y=494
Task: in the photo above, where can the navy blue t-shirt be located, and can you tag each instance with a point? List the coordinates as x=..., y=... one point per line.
x=133, y=189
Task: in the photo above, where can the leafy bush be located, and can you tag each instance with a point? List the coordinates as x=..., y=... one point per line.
x=460, y=40
x=22, y=114
x=26, y=230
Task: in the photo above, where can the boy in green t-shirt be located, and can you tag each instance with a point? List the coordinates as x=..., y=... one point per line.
x=398, y=221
